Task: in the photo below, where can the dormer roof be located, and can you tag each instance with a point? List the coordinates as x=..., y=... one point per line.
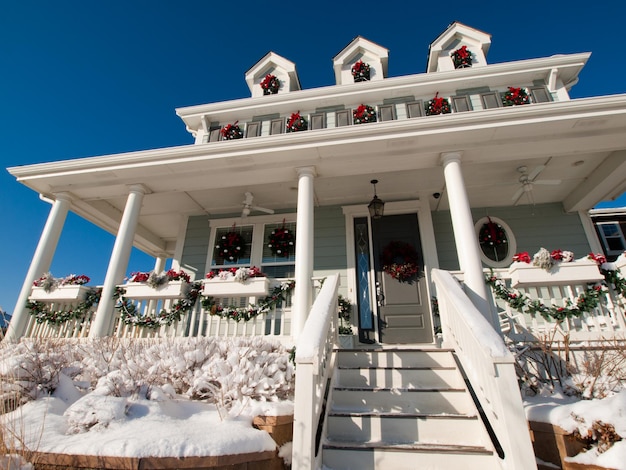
x=453, y=38
x=273, y=64
x=360, y=49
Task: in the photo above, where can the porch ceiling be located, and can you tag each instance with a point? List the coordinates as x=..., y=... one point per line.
x=581, y=143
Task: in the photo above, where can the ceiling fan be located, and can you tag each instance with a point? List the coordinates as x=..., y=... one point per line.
x=527, y=181
x=247, y=206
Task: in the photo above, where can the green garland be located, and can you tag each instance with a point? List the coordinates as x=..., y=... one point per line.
x=238, y=314
x=43, y=313
x=585, y=302
x=130, y=315
x=613, y=277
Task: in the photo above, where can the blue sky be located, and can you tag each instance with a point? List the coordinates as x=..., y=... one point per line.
x=83, y=78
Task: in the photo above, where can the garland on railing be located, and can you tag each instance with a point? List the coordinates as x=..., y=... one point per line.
x=611, y=276
x=131, y=316
x=42, y=313
x=238, y=314
x=585, y=303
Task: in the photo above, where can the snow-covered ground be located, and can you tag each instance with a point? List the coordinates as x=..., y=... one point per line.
x=195, y=397
x=573, y=414
x=165, y=399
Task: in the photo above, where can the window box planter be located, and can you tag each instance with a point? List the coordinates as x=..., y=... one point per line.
x=171, y=290
x=577, y=272
x=251, y=287
x=61, y=293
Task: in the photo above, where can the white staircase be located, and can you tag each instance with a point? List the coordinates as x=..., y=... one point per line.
x=403, y=409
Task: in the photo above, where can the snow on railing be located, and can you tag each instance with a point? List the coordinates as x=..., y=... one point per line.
x=314, y=368
x=490, y=370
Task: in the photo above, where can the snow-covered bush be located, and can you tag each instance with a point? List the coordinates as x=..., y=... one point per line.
x=222, y=371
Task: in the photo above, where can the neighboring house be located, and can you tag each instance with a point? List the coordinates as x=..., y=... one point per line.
x=610, y=226
x=472, y=161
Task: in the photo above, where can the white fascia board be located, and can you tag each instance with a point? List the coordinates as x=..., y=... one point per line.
x=596, y=107
x=568, y=67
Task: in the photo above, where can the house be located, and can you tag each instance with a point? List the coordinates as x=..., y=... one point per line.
x=610, y=227
x=392, y=183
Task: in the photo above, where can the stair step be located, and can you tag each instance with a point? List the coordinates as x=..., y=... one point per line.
x=378, y=456
x=406, y=377
x=405, y=427
x=397, y=358
x=406, y=400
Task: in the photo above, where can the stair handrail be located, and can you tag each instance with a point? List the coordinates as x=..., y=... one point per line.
x=489, y=367
x=314, y=368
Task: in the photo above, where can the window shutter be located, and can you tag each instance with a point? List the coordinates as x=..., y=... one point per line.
x=253, y=129
x=461, y=104
x=490, y=100
x=214, y=134
x=539, y=94
x=415, y=109
x=317, y=121
x=387, y=112
x=277, y=126
x=342, y=118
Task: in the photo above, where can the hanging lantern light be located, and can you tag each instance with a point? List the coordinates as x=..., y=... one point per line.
x=376, y=206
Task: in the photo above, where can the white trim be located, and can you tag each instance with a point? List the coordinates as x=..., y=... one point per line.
x=590, y=232
x=180, y=242
x=511, y=241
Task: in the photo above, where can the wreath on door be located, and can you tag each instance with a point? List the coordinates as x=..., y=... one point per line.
x=400, y=261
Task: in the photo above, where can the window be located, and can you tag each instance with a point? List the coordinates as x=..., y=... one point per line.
x=415, y=109
x=540, y=94
x=343, y=118
x=253, y=129
x=490, y=100
x=254, y=250
x=461, y=103
x=612, y=238
x=497, y=243
x=318, y=121
x=387, y=112
x=277, y=126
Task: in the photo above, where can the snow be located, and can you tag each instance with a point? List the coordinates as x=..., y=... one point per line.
x=169, y=398
x=573, y=414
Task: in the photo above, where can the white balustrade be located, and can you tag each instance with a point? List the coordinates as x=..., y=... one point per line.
x=489, y=367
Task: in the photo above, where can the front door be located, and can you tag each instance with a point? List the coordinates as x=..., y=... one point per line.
x=403, y=304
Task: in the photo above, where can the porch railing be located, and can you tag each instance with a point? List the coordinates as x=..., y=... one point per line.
x=314, y=367
x=490, y=370
x=606, y=320
x=196, y=323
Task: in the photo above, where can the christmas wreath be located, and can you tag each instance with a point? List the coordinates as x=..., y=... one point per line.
x=492, y=234
x=231, y=131
x=514, y=97
x=270, y=84
x=462, y=58
x=296, y=123
x=361, y=71
x=231, y=246
x=364, y=113
x=400, y=261
x=437, y=106
x=282, y=242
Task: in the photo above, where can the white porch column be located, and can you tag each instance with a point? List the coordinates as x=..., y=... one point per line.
x=304, y=250
x=42, y=259
x=118, y=262
x=159, y=264
x=467, y=247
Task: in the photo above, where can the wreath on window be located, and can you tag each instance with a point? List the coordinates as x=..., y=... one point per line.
x=270, y=84
x=231, y=246
x=400, y=261
x=282, y=242
x=492, y=234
